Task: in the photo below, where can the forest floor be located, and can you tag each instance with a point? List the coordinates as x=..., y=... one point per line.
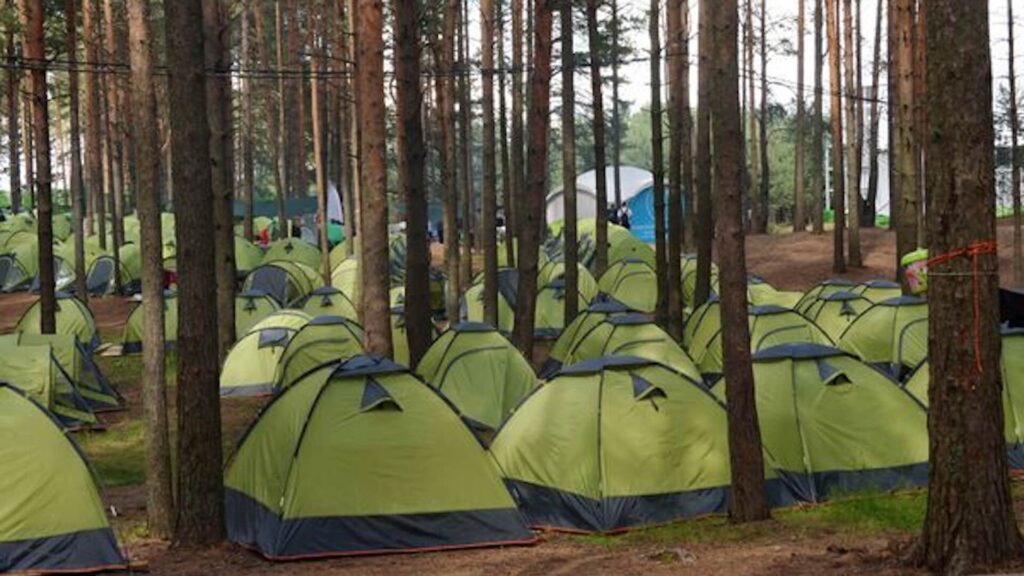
x=860, y=534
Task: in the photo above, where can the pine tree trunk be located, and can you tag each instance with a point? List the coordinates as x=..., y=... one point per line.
x=503, y=135
x=836, y=114
x=970, y=522
x=159, y=495
x=1015, y=161
x=294, y=114
x=77, y=189
x=316, y=108
x=569, y=164
x=374, y=211
x=876, y=67
x=616, y=109
x=272, y=99
x=115, y=144
x=817, y=131
x=200, y=518
x=32, y=17
x=488, y=225
x=216, y=32
x=765, y=183
x=799, y=169
x=853, y=206
x=904, y=133
x=93, y=122
x=536, y=177
x=348, y=182
x=658, y=166
x=465, y=150
x=674, y=55
x=705, y=205
x=13, y=119
x=754, y=158
x=518, y=175
x=444, y=84
x=920, y=119
x=748, y=501
x=411, y=180
x=600, y=155
x=248, y=118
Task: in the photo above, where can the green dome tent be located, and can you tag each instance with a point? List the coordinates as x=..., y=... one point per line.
x=251, y=308
x=423, y=481
x=19, y=265
x=480, y=371
x=769, y=326
x=891, y=335
x=632, y=335
x=602, y=308
x=633, y=283
x=834, y=312
x=833, y=424
x=508, y=287
x=345, y=277
x=287, y=282
x=35, y=370
x=825, y=288
x=689, y=277
x=77, y=364
x=100, y=280
x=1012, y=372
x=51, y=516
x=322, y=339
x=247, y=256
x=761, y=293
x=878, y=290
x=329, y=301
x=399, y=337
x=293, y=250
x=73, y=317
x=616, y=443
x=251, y=366
x=131, y=338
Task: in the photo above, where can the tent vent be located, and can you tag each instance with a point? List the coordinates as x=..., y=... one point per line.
x=250, y=304
x=643, y=390
x=325, y=300
x=273, y=337
x=375, y=397
x=847, y=310
x=830, y=375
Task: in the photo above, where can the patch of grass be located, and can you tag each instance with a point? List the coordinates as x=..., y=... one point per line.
x=118, y=454
x=864, y=514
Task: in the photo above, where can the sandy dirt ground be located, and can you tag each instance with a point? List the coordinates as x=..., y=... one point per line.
x=792, y=262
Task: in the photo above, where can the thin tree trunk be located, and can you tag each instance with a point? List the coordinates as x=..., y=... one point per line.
x=674, y=54
x=216, y=32
x=754, y=158
x=76, y=192
x=374, y=213
x=248, y=167
x=836, y=114
x=159, y=491
x=465, y=148
x=705, y=207
x=506, y=168
x=411, y=180
x=601, y=183
x=616, y=110
x=920, y=119
x=858, y=39
x=876, y=68
x=13, y=119
x=32, y=16
x=272, y=107
x=489, y=190
x=94, y=118
x=799, y=170
x=200, y=518
x=518, y=175
x=536, y=180
x=569, y=164
x=748, y=501
x=904, y=131
x=444, y=85
x=294, y=123
x=817, y=131
x=28, y=142
x=1015, y=161
x=115, y=144
x=658, y=167
x=853, y=207
x=970, y=522
x=347, y=183
x=765, y=183
x=316, y=97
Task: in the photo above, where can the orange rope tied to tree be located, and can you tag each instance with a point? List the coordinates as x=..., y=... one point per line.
x=974, y=251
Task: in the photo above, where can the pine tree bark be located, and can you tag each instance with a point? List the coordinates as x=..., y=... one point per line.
x=200, y=514
x=904, y=133
x=705, y=206
x=93, y=122
x=536, y=177
x=658, y=166
x=294, y=114
x=748, y=501
x=836, y=114
x=970, y=522
x=853, y=158
x=569, y=164
x=13, y=119
x=871, y=210
x=159, y=495
x=32, y=17
x=248, y=118
x=114, y=142
x=1015, y=160
x=765, y=183
x=28, y=141
x=77, y=189
x=216, y=32
x=488, y=220
x=754, y=158
x=369, y=20
x=465, y=150
x=411, y=177
x=616, y=109
x=273, y=108
x=674, y=55
x=319, y=157
x=817, y=131
x=799, y=169
x=444, y=85
x=503, y=135
x=518, y=174
x=600, y=155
